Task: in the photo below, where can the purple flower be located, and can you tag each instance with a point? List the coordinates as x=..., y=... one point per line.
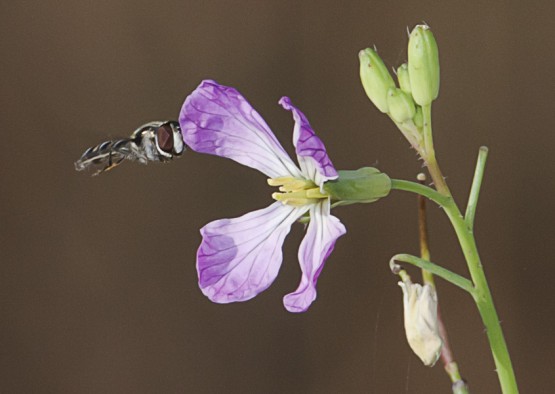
x=239, y=258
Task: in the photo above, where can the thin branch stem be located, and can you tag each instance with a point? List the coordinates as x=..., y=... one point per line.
x=417, y=188
x=435, y=269
x=476, y=185
x=427, y=277
x=459, y=385
x=484, y=300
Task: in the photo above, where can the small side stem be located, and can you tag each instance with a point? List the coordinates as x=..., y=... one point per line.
x=428, y=192
x=475, y=189
x=435, y=269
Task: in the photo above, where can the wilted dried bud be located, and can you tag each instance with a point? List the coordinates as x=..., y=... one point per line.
x=421, y=324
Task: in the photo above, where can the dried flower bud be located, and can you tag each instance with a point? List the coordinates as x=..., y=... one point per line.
x=375, y=78
x=421, y=324
x=423, y=65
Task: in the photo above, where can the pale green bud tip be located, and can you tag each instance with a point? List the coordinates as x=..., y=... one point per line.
x=375, y=78
x=423, y=65
x=403, y=78
x=401, y=105
x=364, y=185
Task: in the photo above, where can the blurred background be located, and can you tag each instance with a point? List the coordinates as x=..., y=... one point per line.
x=98, y=286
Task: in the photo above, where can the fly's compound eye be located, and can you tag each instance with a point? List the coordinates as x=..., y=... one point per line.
x=164, y=138
x=178, y=145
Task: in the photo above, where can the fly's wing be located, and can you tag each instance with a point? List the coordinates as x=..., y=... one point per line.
x=109, y=154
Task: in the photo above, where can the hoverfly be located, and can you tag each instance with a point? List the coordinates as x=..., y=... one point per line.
x=153, y=141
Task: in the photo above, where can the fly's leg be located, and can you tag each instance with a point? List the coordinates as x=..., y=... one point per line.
x=111, y=164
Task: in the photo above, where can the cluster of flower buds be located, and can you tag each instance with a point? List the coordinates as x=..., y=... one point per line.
x=418, y=83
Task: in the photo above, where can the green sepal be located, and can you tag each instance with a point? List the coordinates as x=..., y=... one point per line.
x=375, y=77
x=364, y=185
x=423, y=65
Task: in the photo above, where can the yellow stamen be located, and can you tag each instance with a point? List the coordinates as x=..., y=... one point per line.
x=280, y=181
x=296, y=192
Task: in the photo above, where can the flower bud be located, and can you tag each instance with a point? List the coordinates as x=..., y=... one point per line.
x=401, y=105
x=375, y=78
x=403, y=78
x=423, y=65
x=364, y=185
x=421, y=324
x=418, y=118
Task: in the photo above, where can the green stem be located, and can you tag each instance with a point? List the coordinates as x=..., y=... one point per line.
x=429, y=154
x=459, y=385
x=427, y=128
x=423, y=190
x=481, y=293
x=475, y=189
x=435, y=269
x=484, y=300
x=427, y=277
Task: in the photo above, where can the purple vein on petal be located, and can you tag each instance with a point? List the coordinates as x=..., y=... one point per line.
x=318, y=243
x=222, y=117
x=239, y=258
x=311, y=152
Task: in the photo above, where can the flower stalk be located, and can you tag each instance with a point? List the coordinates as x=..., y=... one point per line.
x=478, y=286
x=435, y=269
x=484, y=300
x=459, y=385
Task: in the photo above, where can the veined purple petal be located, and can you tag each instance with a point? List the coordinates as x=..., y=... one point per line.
x=311, y=152
x=318, y=243
x=218, y=120
x=239, y=258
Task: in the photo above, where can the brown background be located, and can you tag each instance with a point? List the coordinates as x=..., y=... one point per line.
x=98, y=287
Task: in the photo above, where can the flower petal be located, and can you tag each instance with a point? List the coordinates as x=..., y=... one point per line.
x=323, y=230
x=217, y=119
x=311, y=152
x=239, y=258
